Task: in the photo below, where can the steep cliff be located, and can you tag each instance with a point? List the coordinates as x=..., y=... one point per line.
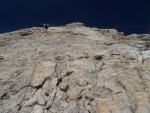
x=74, y=69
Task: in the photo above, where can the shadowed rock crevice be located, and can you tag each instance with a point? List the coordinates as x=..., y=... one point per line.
x=98, y=57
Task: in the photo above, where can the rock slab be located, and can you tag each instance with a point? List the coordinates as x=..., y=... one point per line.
x=74, y=69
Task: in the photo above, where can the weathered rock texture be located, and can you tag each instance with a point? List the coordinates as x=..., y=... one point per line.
x=74, y=69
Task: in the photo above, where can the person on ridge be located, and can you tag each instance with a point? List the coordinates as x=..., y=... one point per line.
x=45, y=25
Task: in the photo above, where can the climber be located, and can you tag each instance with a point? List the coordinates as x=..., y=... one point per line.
x=45, y=25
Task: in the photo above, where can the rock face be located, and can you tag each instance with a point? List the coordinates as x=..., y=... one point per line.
x=74, y=69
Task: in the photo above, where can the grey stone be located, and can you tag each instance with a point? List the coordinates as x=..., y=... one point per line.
x=40, y=97
x=38, y=109
x=74, y=69
x=143, y=109
x=74, y=92
x=42, y=71
x=146, y=54
x=31, y=101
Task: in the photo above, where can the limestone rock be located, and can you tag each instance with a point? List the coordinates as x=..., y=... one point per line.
x=31, y=101
x=40, y=97
x=42, y=71
x=38, y=109
x=74, y=69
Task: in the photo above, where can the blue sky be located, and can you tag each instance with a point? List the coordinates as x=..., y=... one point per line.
x=18, y=14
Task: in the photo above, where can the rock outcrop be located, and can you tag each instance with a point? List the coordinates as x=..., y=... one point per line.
x=74, y=69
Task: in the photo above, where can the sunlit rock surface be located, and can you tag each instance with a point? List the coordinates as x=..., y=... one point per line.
x=74, y=69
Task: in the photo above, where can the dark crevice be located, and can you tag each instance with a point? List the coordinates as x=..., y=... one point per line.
x=139, y=72
x=80, y=97
x=40, y=86
x=121, y=85
x=68, y=73
x=48, y=108
x=98, y=57
x=115, y=54
x=46, y=94
x=83, y=57
x=88, y=98
x=109, y=43
x=59, y=81
x=25, y=33
x=118, y=93
x=3, y=96
x=65, y=89
x=19, y=108
x=59, y=58
x=1, y=58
